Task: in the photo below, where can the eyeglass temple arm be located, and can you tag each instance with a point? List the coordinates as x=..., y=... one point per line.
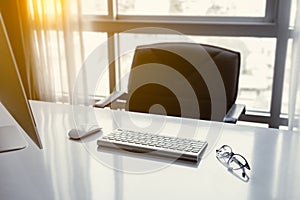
x=240, y=164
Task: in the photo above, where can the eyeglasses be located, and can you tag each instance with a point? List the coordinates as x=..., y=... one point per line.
x=234, y=162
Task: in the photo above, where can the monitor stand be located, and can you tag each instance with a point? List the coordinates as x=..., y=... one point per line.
x=11, y=139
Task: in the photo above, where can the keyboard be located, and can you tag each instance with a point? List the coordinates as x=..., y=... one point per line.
x=158, y=145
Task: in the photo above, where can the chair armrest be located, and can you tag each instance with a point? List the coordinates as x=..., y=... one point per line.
x=109, y=99
x=234, y=113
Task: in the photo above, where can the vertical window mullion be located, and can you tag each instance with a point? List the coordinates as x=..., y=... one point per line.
x=112, y=9
x=112, y=13
x=271, y=10
x=117, y=61
x=280, y=57
x=111, y=61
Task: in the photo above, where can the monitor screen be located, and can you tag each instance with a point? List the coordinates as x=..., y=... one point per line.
x=13, y=98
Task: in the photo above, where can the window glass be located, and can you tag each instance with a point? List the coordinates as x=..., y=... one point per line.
x=251, y=8
x=94, y=7
x=287, y=75
x=91, y=41
x=293, y=12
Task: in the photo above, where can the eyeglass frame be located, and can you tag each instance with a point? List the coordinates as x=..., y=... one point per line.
x=230, y=157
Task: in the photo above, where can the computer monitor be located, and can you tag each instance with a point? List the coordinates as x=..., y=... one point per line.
x=13, y=98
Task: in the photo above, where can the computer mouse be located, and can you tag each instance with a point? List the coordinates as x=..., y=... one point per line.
x=76, y=134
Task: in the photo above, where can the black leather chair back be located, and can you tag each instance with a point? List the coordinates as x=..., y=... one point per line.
x=183, y=79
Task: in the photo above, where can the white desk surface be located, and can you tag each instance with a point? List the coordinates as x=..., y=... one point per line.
x=66, y=169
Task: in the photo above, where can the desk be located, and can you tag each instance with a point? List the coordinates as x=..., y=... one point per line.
x=67, y=169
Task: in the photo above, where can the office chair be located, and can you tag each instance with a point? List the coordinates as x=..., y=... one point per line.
x=183, y=79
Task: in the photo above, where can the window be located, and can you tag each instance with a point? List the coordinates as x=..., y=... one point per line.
x=249, y=8
x=259, y=29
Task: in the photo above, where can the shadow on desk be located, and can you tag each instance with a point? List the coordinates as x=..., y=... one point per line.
x=147, y=157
